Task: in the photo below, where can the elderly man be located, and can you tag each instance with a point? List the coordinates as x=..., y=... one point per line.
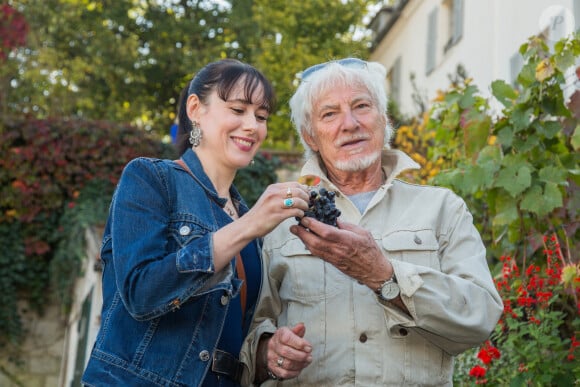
x=402, y=285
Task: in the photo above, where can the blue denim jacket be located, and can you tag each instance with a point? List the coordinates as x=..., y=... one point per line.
x=164, y=306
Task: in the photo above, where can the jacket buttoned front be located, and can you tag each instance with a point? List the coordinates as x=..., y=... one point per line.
x=160, y=287
x=358, y=339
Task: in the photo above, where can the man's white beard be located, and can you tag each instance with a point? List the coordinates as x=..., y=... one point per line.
x=359, y=164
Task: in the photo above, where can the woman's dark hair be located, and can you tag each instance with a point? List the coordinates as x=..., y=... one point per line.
x=222, y=76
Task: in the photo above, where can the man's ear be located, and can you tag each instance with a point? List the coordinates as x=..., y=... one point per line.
x=309, y=139
x=193, y=106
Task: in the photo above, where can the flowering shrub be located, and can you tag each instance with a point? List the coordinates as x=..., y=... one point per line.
x=537, y=340
x=13, y=30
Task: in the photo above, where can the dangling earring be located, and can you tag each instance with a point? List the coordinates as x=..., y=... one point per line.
x=252, y=162
x=195, y=135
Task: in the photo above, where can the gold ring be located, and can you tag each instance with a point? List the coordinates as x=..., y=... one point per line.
x=288, y=193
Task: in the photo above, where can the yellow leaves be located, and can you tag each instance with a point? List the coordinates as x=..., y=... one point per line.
x=571, y=275
x=544, y=70
x=416, y=140
x=491, y=140
x=440, y=96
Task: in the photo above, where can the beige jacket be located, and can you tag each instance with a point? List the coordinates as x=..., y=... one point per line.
x=440, y=264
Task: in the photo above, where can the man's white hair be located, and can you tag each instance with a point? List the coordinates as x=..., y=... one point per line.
x=371, y=76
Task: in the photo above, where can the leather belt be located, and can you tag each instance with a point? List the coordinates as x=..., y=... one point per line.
x=227, y=364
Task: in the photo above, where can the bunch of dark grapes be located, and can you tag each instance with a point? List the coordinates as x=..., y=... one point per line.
x=322, y=207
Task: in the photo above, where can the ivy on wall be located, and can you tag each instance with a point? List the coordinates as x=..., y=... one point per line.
x=56, y=178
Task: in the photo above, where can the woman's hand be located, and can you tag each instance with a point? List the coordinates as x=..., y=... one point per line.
x=279, y=201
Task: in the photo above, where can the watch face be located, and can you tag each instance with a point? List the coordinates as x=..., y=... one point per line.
x=390, y=290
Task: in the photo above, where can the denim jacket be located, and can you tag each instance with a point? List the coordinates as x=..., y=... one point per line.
x=164, y=305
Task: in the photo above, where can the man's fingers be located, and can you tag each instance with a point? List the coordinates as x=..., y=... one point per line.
x=299, y=329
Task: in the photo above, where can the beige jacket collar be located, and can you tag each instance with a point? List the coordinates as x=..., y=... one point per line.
x=393, y=161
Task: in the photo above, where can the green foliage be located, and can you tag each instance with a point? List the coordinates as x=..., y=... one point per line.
x=518, y=168
x=128, y=61
x=56, y=179
x=252, y=180
x=120, y=61
x=291, y=36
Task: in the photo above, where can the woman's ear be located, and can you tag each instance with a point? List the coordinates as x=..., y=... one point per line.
x=193, y=106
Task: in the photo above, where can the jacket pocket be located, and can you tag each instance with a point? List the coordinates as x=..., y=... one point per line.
x=419, y=247
x=310, y=279
x=182, y=229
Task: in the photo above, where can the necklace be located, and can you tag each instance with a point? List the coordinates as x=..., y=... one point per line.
x=229, y=209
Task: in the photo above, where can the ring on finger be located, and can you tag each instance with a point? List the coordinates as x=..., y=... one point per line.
x=280, y=362
x=288, y=193
x=272, y=375
x=288, y=202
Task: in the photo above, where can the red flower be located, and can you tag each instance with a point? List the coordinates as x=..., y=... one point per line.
x=477, y=371
x=484, y=356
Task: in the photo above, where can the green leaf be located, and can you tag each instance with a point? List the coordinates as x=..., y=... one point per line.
x=467, y=100
x=553, y=174
x=521, y=117
x=515, y=178
x=532, y=200
x=542, y=203
x=506, y=136
x=526, y=144
x=548, y=128
x=527, y=76
x=575, y=140
x=503, y=92
x=476, y=135
x=564, y=60
x=505, y=211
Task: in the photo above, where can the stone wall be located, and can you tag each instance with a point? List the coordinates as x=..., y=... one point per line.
x=56, y=346
x=42, y=351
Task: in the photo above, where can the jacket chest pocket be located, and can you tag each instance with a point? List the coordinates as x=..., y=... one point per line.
x=310, y=279
x=419, y=247
x=182, y=231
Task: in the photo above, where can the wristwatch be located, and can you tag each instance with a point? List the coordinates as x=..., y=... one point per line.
x=389, y=290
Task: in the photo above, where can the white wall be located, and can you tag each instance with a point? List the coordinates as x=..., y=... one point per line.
x=493, y=31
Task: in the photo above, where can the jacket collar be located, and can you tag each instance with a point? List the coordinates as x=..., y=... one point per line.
x=393, y=162
x=194, y=164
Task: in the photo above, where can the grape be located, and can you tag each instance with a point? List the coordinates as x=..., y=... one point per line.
x=322, y=207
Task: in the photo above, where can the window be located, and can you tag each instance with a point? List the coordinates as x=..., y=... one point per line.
x=577, y=14
x=394, y=81
x=431, y=40
x=454, y=14
x=516, y=64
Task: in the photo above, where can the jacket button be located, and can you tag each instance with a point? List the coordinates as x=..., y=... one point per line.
x=403, y=332
x=417, y=240
x=224, y=300
x=184, y=230
x=204, y=355
x=363, y=338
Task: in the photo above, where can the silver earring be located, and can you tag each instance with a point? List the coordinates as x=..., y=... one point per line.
x=252, y=162
x=195, y=135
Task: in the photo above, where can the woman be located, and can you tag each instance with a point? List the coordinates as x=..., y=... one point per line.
x=180, y=240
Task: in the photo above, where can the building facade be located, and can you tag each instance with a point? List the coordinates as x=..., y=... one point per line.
x=424, y=42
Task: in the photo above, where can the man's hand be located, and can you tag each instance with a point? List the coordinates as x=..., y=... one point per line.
x=350, y=248
x=285, y=354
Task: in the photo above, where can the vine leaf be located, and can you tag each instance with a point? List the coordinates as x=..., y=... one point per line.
x=503, y=92
x=542, y=203
x=515, y=178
